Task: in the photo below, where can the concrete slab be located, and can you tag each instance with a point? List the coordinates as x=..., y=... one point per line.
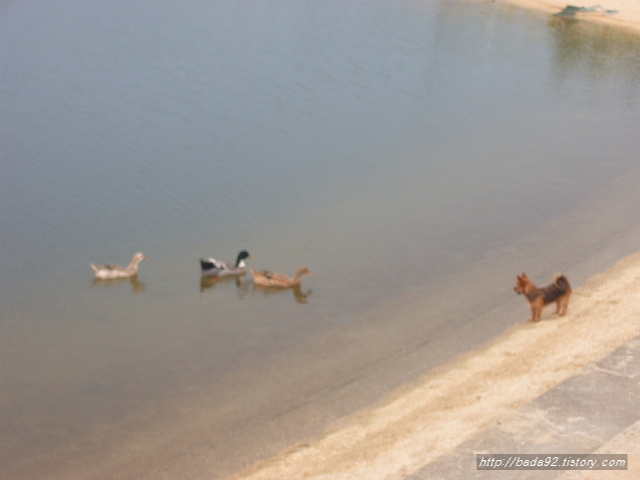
x=578, y=416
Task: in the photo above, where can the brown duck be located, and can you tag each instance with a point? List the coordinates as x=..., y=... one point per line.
x=271, y=279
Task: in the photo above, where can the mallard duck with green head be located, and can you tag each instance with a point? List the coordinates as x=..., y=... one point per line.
x=216, y=268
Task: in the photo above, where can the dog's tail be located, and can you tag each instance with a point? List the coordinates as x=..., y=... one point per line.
x=562, y=282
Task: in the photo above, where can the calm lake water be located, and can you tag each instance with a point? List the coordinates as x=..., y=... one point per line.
x=412, y=153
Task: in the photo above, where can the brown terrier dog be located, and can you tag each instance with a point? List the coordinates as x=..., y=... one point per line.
x=559, y=291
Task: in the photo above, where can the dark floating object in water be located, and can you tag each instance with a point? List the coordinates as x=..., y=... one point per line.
x=570, y=11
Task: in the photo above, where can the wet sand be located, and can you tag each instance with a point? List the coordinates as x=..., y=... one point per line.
x=430, y=417
x=627, y=16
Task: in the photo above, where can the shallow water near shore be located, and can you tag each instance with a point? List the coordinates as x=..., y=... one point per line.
x=412, y=154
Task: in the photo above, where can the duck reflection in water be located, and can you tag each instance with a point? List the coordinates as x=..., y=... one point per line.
x=207, y=281
x=298, y=294
x=136, y=285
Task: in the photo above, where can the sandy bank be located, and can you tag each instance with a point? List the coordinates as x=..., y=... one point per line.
x=627, y=16
x=427, y=419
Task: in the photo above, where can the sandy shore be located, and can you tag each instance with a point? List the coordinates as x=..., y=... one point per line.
x=627, y=16
x=427, y=419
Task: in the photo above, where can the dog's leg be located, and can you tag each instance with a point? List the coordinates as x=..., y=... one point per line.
x=565, y=306
x=537, y=313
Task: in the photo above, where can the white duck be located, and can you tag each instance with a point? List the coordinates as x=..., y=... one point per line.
x=107, y=272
